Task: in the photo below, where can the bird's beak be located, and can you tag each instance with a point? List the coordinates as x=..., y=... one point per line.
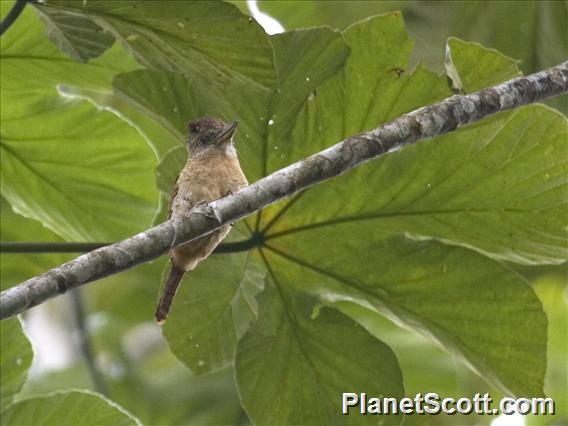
x=226, y=135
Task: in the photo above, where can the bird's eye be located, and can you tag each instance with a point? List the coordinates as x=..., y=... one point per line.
x=192, y=127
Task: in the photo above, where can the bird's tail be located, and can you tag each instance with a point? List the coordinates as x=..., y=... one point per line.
x=168, y=293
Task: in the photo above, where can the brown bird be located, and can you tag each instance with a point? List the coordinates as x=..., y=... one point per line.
x=212, y=171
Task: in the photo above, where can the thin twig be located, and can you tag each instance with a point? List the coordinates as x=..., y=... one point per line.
x=84, y=342
x=13, y=14
x=36, y=247
x=18, y=247
x=424, y=123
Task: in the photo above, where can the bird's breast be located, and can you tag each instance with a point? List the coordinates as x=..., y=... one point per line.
x=206, y=178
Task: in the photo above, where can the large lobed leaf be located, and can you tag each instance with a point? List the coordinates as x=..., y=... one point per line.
x=264, y=115
x=209, y=38
x=488, y=316
x=479, y=187
x=295, y=362
x=81, y=172
x=77, y=36
x=447, y=189
x=530, y=30
x=214, y=306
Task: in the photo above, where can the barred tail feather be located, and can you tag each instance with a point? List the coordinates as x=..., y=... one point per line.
x=168, y=293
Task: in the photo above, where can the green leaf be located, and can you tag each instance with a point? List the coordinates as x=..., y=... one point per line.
x=469, y=304
x=304, y=60
x=172, y=100
x=83, y=173
x=168, y=170
x=94, y=183
x=80, y=38
x=480, y=187
x=419, y=357
x=551, y=290
x=67, y=408
x=15, y=360
x=214, y=305
x=314, y=354
x=473, y=67
x=532, y=31
x=264, y=116
x=207, y=38
x=368, y=91
x=43, y=67
x=129, y=296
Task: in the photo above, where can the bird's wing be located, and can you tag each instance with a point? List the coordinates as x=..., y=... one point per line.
x=172, y=198
x=182, y=198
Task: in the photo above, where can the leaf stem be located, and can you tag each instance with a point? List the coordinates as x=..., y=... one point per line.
x=13, y=14
x=38, y=247
x=84, y=342
x=12, y=247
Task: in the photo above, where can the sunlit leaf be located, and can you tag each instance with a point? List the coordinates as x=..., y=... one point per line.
x=67, y=408
x=471, y=305
x=313, y=354
x=77, y=36
x=264, y=116
x=531, y=31
x=479, y=187
x=476, y=188
x=209, y=38
x=15, y=360
x=473, y=67
x=214, y=305
x=83, y=173
x=92, y=181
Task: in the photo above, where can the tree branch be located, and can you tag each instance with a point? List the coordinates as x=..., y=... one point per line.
x=423, y=123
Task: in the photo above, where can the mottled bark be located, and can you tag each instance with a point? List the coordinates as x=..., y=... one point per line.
x=424, y=123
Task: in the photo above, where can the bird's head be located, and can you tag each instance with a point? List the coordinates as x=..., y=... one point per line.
x=209, y=132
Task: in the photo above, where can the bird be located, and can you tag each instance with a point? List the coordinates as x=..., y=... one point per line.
x=212, y=171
